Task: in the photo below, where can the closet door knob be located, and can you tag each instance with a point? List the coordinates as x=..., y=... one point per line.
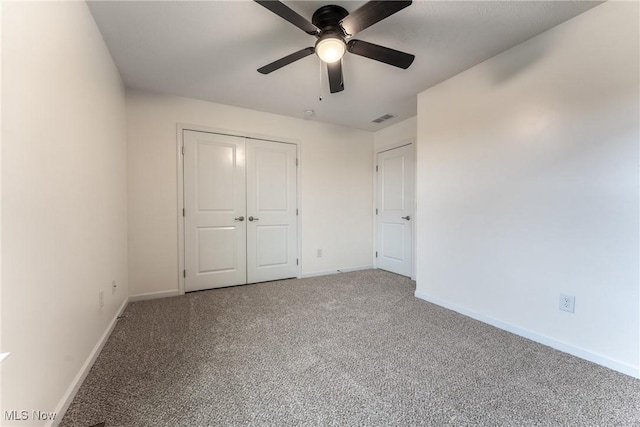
x=240, y=218
x=253, y=219
x=406, y=217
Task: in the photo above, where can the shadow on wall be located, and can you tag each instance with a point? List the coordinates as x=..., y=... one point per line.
x=507, y=68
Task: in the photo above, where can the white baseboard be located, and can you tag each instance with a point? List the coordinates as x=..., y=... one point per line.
x=154, y=295
x=67, y=398
x=542, y=339
x=336, y=271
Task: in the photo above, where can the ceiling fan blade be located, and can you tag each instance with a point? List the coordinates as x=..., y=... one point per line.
x=381, y=53
x=369, y=14
x=334, y=70
x=287, y=60
x=288, y=14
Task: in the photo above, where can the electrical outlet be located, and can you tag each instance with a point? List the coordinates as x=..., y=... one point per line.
x=101, y=298
x=319, y=255
x=567, y=303
x=113, y=287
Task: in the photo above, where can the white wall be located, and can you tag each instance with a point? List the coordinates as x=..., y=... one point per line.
x=336, y=193
x=406, y=130
x=528, y=187
x=1, y=351
x=63, y=199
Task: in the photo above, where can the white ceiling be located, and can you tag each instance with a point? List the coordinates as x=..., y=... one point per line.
x=210, y=50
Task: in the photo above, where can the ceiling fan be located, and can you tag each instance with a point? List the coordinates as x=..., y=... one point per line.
x=332, y=26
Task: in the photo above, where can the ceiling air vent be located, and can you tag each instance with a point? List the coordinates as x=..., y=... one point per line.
x=383, y=118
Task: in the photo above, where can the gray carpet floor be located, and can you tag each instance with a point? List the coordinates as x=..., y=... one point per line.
x=349, y=349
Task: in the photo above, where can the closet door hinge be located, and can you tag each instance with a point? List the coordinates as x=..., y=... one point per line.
x=376, y=254
x=184, y=273
x=297, y=261
x=297, y=213
x=376, y=165
x=183, y=150
x=376, y=211
x=183, y=214
x=296, y=161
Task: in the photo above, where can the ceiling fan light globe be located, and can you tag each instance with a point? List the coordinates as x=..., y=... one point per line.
x=330, y=49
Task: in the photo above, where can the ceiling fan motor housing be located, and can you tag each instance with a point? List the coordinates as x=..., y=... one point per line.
x=328, y=18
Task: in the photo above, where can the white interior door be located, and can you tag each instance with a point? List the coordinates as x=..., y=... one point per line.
x=394, y=219
x=214, y=201
x=271, y=211
x=240, y=219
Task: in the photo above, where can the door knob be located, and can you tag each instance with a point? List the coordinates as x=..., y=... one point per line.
x=240, y=218
x=253, y=219
x=406, y=217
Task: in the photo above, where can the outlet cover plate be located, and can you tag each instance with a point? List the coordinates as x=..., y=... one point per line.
x=567, y=303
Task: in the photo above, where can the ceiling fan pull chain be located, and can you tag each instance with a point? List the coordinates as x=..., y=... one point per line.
x=320, y=82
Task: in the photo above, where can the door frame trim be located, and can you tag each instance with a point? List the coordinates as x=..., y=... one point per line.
x=378, y=151
x=180, y=128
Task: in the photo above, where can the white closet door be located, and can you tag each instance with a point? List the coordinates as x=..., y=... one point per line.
x=394, y=222
x=214, y=200
x=271, y=211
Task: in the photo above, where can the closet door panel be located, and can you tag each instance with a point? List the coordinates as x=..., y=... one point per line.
x=214, y=200
x=271, y=209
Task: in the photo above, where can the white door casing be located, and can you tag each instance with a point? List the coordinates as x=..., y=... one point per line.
x=271, y=211
x=394, y=219
x=228, y=179
x=214, y=202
